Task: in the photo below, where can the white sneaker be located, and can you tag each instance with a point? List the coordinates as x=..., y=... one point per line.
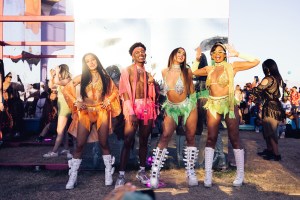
x=257, y=129
x=50, y=154
x=282, y=135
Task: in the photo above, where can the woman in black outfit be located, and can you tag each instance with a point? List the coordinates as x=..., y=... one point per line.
x=272, y=113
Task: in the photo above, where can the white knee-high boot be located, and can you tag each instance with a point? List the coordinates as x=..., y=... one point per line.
x=191, y=155
x=239, y=155
x=109, y=170
x=157, y=163
x=209, y=156
x=74, y=165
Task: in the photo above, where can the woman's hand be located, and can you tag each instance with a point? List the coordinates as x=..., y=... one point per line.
x=105, y=103
x=57, y=69
x=232, y=51
x=80, y=105
x=198, y=54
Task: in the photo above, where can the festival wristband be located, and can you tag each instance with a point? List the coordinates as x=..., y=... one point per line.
x=247, y=57
x=195, y=65
x=127, y=103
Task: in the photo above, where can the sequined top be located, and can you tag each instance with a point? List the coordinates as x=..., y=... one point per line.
x=178, y=88
x=222, y=80
x=94, y=89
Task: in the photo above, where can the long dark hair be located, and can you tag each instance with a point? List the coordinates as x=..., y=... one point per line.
x=183, y=68
x=270, y=67
x=86, y=76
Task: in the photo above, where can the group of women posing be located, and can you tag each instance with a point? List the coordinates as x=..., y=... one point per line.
x=98, y=102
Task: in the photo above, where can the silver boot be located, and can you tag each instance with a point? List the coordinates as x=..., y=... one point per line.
x=74, y=165
x=109, y=170
x=209, y=156
x=157, y=163
x=191, y=155
x=239, y=155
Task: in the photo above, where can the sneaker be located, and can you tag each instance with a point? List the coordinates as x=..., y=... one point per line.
x=141, y=175
x=69, y=156
x=282, y=135
x=257, y=129
x=65, y=151
x=120, y=181
x=50, y=154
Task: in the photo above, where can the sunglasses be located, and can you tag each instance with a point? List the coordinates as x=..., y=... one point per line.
x=218, y=52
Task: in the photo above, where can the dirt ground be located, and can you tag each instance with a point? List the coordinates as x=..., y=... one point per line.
x=263, y=179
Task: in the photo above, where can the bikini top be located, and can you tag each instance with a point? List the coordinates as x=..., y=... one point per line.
x=222, y=80
x=178, y=88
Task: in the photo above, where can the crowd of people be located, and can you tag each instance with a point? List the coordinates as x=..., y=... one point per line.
x=85, y=107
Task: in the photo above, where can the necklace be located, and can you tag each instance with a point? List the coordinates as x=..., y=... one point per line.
x=140, y=70
x=175, y=66
x=219, y=64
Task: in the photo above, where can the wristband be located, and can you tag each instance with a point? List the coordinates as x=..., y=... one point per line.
x=247, y=57
x=127, y=103
x=195, y=65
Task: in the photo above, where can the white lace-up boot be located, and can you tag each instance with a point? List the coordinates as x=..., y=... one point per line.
x=209, y=156
x=191, y=155
x=157, y=163
x=74, y=165
x=109, y=170
x=239, y=159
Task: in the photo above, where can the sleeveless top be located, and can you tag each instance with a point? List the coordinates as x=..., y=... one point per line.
x=222, y=80
x=179, y=86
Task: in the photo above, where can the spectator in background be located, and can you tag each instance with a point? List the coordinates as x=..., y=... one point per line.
x=294, y=97
x=31, y=97
x=14, y=104
x=60, y=77
x=1, y=98
x=49, y=116
x=238, y=94
x=273, y=113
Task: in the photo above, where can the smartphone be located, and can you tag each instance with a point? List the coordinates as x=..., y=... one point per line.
x=256, y=78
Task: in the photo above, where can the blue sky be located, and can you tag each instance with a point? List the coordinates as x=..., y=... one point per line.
x=267, y=29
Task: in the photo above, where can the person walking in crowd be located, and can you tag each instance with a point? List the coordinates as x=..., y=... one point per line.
x=60, y=77
x=138, y=96
x=92, y=111
x=181, y=103
x=221, y=102
x=273, y=113
x=295, y=97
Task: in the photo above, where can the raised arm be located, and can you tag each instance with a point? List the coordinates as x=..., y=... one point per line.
x=69, y=92
x=249, y=62
x=201, y=71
